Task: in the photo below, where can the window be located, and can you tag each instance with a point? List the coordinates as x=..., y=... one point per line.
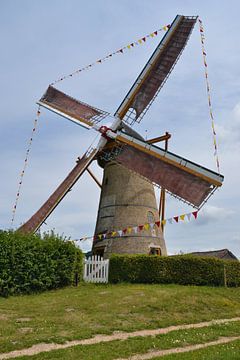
x=150, y=217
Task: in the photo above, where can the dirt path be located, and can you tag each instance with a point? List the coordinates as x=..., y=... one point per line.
x=160, y=353
x=43, y=347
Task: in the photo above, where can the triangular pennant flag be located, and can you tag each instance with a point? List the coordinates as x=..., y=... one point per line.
x=100, y=236
x=129, y=46
x=152, y=34
x=170, y=221
x=124, y=231
x=152, y=225
x=158, y=223
x=140, y=41
x=182, y=217
x=120, y=232
x=135, y=228
x=104, y=235
x=132, y=44
x=140, y=227
x=99, y=61
x=114, y=233
x=195, y=214
x=129, y=230
x=189, y=216
x=155, y=32
x=164, y=222
x=146, y=226
x=176, y=218
x=144, y=38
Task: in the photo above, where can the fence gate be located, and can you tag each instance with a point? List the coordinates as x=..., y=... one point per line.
x=96, y=270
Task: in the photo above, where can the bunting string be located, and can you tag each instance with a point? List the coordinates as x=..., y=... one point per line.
x=24, y=166
x=138, y=228
x=117, y=52
x=209, y=94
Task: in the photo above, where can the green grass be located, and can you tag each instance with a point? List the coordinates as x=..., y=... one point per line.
x=76, y=313
x=230, y=351
x=127, y=348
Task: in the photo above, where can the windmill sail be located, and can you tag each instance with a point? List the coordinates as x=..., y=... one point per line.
x=156, y=71
x=181, y=177
x=70, y=108
x=41, y=215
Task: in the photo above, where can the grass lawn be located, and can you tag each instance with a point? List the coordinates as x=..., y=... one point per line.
x=76, y=313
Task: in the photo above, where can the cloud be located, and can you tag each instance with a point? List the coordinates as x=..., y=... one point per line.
x=213, y=214
x=228, y=132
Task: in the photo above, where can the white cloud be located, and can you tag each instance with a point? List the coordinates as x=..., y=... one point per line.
x=228, y=131
x=212, y=213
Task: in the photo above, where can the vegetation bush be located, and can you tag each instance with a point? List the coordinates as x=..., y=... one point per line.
x=180, y=269
x=31, y=263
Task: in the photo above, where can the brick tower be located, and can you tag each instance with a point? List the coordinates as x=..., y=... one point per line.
x=127, y=200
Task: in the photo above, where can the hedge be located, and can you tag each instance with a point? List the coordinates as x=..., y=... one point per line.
x=180, y=269
x=31, y=263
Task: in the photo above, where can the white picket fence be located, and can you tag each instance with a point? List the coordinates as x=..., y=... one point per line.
x=96, y=270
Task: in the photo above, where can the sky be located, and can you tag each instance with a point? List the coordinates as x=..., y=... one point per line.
x=43, y=40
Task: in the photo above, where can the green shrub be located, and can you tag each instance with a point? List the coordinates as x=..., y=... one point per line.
x=30, y=263
x=181, y=269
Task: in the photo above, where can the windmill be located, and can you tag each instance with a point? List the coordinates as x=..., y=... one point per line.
x=131, y=164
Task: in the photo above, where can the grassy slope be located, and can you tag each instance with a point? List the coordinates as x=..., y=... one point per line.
x=75, y=313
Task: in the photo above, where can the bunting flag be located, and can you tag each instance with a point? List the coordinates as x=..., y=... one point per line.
x=204, y=54
x=142, y=227
x=24, y=166
x=109, y=56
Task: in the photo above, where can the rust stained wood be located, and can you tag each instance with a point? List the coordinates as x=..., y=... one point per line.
x=180, y=183
x=56, y=100
x=41, y=215
x=158, y=67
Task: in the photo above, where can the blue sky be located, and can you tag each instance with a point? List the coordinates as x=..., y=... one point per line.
x=41, y=41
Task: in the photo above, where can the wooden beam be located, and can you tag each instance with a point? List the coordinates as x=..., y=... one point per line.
x=94, y=178
x=165, y=137
x=162, y=204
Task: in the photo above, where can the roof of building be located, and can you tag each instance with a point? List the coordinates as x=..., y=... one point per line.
x=224, y=254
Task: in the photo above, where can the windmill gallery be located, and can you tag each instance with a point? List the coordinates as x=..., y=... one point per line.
x=131, y=164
